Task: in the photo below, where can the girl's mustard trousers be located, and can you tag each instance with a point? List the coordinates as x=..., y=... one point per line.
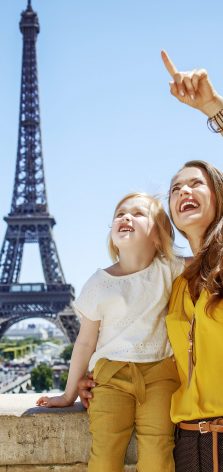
x=132, y=396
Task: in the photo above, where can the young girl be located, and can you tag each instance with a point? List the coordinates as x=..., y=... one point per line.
x=123, y=335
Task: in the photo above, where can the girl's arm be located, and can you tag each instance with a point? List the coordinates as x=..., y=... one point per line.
x=193, y=88
x=83, y=349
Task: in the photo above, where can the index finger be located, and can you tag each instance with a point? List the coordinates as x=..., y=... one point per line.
x=171, y=68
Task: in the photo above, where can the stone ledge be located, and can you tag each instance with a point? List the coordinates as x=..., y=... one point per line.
x=45, y=439
x=54, y=468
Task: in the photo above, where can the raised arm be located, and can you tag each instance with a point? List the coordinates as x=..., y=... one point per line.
x=83, y=349
x=194, y=88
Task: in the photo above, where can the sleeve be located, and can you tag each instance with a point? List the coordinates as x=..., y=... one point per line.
x=87, y=304
x=177, y=266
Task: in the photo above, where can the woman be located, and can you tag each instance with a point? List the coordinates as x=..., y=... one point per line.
x=195, y=320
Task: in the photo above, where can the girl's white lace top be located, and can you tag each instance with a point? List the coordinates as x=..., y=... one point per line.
x=132, y=310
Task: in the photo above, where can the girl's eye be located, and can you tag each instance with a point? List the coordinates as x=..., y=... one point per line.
x=119, y=215
x=139, y=213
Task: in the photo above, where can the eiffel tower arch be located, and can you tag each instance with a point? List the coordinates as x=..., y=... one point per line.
x=29, y=220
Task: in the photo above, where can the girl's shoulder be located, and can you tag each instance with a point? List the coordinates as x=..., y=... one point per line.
x=94, y=280
x=111, y=270
x=91, y=295
x=98, y=281
x=176, y=265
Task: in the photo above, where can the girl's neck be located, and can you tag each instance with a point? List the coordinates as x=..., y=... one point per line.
x=131, y=263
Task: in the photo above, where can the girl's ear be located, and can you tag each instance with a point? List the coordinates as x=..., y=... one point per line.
x=158, y=247
x=158, y=242
x=116, y=249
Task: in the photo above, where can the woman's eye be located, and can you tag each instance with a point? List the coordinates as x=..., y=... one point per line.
x=174, y=189
x=197, y=182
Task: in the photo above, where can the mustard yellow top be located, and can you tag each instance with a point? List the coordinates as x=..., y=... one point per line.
x=204, y=397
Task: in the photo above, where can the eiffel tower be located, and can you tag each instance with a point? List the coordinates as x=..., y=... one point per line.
x=29, y=220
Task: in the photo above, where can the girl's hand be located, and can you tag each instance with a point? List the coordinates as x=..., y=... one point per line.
x=193, y=88
x=84, y=389
x=49, y=402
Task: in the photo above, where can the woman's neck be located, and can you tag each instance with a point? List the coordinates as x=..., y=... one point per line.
x=195, y=241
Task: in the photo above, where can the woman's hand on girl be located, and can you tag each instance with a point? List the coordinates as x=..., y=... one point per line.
x=84, y=389
x=193, y=88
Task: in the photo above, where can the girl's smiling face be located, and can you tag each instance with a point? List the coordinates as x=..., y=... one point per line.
x=192, y=200
x=133, y=223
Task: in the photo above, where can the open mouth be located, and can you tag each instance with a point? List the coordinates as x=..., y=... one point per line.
x=188, y=205
x=126, y=229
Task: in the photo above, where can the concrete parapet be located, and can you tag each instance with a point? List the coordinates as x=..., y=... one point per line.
x=53, y=468
x=34, y=439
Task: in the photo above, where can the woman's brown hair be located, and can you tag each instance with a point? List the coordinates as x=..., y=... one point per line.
x=206, y=269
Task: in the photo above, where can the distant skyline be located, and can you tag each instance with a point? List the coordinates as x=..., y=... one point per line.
x=109, y=124
x=37, y=321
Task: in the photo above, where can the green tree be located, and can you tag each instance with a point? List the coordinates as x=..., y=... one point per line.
x=42, y=378
x=66, y=353
x=63, y=380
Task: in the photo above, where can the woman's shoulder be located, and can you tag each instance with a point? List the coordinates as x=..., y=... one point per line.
x=177, y=294
x=188, y=260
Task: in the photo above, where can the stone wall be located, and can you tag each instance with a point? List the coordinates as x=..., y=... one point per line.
x=36, y=439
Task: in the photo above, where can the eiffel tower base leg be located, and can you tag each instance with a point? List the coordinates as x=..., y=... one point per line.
x=4, y=326
x=68, y=323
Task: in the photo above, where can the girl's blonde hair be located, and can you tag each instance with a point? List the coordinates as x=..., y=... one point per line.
x=162, y=222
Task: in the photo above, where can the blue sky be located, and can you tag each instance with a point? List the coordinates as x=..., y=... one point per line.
x=109, y=124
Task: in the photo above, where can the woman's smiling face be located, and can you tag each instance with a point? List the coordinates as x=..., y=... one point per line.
x=192, y=200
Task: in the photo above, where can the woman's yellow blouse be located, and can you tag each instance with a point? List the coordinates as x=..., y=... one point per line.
x=204, y=397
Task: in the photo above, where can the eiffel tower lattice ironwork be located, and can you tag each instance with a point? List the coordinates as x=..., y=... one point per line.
x=29, y=220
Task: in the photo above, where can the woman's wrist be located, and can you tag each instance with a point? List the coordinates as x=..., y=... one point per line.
x=213, y=106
